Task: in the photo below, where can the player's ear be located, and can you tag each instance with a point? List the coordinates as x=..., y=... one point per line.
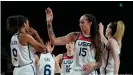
x=90, y=23
x=24, y=24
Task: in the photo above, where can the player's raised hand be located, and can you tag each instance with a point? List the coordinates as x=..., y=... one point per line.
x=101, y=28
x=31, y=31
x=49, y=47
x=49, y=15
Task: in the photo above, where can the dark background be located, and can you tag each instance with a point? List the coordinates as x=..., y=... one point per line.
x=66, y=19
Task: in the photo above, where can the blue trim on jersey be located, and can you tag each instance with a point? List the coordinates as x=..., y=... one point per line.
x=33, y=69
x=95, y=71
x=52, y=55
x=29, y=54
x=17, y=35
x=107, y=60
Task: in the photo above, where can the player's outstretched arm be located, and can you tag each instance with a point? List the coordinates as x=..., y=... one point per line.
x=59, y=40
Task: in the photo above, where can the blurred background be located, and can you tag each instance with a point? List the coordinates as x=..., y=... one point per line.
x=66, y=19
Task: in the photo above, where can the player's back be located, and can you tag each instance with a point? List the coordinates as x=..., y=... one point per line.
x=47, y=64
x=21, y=55
x=108, y=61
x=66, y=64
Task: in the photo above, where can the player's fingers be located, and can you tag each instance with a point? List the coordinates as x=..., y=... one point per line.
x=84, y=68
x=46, y=11
x=46, y=43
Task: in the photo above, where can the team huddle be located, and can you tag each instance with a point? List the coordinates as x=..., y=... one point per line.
x=87, y=50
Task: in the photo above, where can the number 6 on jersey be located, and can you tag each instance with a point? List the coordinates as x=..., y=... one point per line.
x=47, y=70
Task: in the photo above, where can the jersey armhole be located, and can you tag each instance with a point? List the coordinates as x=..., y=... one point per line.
x=77, y=37
x=62, y=58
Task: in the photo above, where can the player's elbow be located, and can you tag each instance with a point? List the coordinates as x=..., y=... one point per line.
x=53, y=41
x=100, y=64
x=117, y=61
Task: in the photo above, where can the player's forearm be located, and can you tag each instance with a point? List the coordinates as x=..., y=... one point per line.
x=51, y=33
x=116, y=67
x=37, y=37
x=57, y=67
x=97, y=65
x=94, y=65
x=37, y=66
x=103, y=38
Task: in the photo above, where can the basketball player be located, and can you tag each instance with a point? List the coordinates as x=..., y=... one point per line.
x=47, y=63
x=111, y=58
x=22, y=58
x=66, y=59
x=87, y=44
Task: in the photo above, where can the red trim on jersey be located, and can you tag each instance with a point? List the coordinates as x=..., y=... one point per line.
x=67, y=57
x=81, y=37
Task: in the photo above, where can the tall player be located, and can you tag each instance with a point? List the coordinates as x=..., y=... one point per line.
x=87, y=44
x=113, y=44
x=22, y=58
x=47, y=64
x=66, y=59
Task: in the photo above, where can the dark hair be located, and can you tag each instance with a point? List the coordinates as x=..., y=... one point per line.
x=113, y=26
x=15, y=22
x=95, y=36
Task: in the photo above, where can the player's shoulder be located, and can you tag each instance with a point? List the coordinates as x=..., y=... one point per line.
x=15, y=34
x=25, y=35
x=36, y=56
x=112, y=41
x=75, y=33
x=59, y=56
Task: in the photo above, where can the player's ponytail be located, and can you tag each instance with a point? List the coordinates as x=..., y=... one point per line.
x=95, y=36
x=118, y=29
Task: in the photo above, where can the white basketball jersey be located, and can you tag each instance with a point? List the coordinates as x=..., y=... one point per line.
x=21, y=55
x=66, y=64
x=47, y=64
x=83, y=54
x=108, y=61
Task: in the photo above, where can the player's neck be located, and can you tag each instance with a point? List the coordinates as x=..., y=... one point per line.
x=86, y=34
x=109, y=37
x=69, y=53
x=21, y=30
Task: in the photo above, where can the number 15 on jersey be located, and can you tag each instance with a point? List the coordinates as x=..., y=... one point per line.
x=82, y=51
